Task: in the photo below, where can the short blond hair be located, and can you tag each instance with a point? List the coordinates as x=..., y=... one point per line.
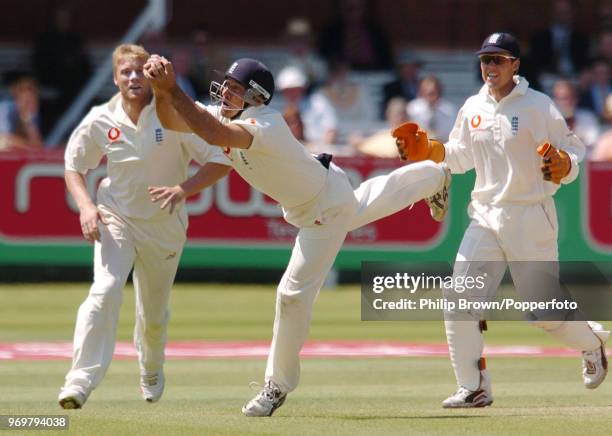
x=129, y=51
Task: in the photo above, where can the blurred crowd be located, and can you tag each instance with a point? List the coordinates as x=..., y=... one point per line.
x=319, y=88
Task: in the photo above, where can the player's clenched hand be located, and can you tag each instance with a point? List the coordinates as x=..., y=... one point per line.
x=89, y=217
x=153, y=66
x=171, y=195
x=159, y=71
x=556, y=164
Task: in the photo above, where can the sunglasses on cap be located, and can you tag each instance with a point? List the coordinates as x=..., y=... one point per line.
x=496, y=59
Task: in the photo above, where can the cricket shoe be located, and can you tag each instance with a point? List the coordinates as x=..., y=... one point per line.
x=269, y=398
x=152, y=386
x=438, y=203
x=465, y=398
x=71, y=398
x=595, y=363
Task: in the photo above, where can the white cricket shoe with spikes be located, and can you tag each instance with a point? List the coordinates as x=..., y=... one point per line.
x=152, y=386
x=269, y=398
x=464, y=398
x=595, y=362
x=71, y=398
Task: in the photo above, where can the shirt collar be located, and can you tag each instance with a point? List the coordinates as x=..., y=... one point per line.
x=520, y=89
x=119, y=114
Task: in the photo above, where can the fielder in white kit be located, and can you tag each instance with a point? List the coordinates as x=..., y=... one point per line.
x=315, y=195
x=127, y=229
x=513, y=219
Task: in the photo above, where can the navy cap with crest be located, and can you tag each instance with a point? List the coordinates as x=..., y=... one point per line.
x=254, y=76
x=500, y=42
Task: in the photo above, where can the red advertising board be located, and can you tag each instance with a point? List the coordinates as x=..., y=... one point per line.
x=599, y=204
x=34, y=205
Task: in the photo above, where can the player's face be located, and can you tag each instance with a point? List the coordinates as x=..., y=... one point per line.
x=130, y=80
x=231, y=101
x=497, y=72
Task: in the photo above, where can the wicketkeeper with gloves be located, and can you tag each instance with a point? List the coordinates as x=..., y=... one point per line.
x=522, y=150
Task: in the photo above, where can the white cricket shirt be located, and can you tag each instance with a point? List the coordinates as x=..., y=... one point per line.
x=499, y=140
x=276, y=163
x=138, y=156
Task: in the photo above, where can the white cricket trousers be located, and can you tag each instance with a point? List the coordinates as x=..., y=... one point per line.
x=523, y=238
x=153, y=248
x=339, y=209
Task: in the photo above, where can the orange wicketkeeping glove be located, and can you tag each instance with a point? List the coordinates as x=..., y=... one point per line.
x=413, y=144
x=556, y=164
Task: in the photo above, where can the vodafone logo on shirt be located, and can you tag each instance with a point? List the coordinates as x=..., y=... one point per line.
x=475, y=121
x=113, y=134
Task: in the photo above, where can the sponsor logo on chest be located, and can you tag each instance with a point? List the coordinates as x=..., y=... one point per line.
x=113, y=134
x=479, y=123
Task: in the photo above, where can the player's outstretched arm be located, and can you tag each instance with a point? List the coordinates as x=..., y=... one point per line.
x=206, y=176
x=154, y=70
x=163, y=79
x=89, y=213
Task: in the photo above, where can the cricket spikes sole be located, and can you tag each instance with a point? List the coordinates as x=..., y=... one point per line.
x=438, y=203
x=594, y=367
x=152, y=386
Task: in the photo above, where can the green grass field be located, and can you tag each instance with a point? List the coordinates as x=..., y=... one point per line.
x=336, y=396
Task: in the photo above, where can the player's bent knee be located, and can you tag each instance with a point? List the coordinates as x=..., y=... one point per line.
x=100, y=300
x=107, y=286
x=292, y=297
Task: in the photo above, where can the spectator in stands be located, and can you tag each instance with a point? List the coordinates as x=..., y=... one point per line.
x=605, y=15
x=156, y=39
x=560, y=49
x=382, y=144
x=356, y=115
x=20, y=115
x=581, y=121
x=293, y=118
x=595, y=95
x=355, y=36
x=603, y=148
x=311, y=118
x=302, y=53
x=432, y=112
x=607, y=114
x=407, y=81
x=61, y=62
x=604, y=47
x=181, y=60
x=207, y=59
